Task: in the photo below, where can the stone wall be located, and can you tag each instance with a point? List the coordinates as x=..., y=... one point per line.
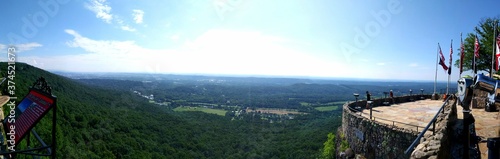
x=373, y=139
x=438, y=145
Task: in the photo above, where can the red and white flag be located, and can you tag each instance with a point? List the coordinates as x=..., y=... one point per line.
x=441, y=59
x=498, y=52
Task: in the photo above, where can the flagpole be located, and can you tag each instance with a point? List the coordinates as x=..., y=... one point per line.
x=449, y=71
x=461, y=57
x=447, y=85
x=493, y=52
x=475, y=64
x=435, y=76
x=495, y=45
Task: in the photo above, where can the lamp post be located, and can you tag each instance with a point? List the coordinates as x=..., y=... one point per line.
x=356, y=95
x=369, y=105
x=385, y=99
x=422, y=93
x=410, y=92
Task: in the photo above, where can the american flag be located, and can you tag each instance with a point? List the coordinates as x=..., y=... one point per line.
x=451, y=55
x=476, y=48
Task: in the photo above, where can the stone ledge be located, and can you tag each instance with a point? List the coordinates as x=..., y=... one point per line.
x=373, y=139
x=437, y=146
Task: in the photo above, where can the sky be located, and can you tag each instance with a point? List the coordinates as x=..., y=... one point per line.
x=386, y=39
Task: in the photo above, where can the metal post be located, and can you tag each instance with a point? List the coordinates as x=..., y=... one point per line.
x=466, y=134
x=28, y=140
x=371, y=114
x=369, y=103
x=411, y=98
x=422, y=94
x=356, y=95
x=435, y=76
x=54, y=119
x=494, y=46
x=433, y=127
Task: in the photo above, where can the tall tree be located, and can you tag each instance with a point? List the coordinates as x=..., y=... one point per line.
x=485, y=36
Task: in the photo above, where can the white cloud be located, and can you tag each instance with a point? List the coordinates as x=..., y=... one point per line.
x=381, y=63
x=101, y=46
x=21, y=47
x=128, y=28
x=27, y=46
x=138, y=15
x=102, y=10
x=215, y=52
x=124, y=26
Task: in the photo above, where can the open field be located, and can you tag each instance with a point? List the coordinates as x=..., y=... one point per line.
x=205, y=110
x=322, y=104
x=275, y=111
x=327, y=108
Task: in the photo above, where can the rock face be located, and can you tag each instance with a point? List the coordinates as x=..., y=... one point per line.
x=377, y=140
x=438, y=145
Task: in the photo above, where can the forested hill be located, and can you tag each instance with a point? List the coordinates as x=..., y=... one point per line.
x=95, y=122
x=98, y=123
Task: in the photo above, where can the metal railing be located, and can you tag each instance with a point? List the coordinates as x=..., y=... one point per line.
x=393, y=122
x=354, y=110
x=433, y=122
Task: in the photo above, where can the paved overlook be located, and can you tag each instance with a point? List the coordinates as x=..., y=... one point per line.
x=392, y=129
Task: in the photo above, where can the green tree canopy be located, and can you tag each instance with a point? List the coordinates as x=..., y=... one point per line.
x=485, y=35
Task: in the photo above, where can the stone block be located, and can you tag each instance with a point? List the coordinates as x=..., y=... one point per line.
x=432, y=157
x=418, y=155
x=420, y=147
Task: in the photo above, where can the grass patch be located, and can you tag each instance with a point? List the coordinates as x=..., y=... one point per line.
x=327, y=108
x=338, y=103
x=305, y=104
x=322, y=104
x=205, y=110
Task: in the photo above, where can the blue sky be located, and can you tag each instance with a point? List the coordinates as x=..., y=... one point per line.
x=388, y=39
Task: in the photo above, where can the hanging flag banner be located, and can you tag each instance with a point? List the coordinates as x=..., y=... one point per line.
x=476, y=48
x=497, y=53
x=441, y=59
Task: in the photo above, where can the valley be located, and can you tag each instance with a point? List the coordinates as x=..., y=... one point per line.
x=171, y=116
